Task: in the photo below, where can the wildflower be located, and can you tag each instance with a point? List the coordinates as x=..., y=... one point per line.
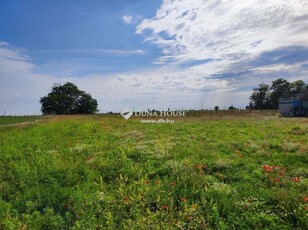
x=183, y=200
x=296, y=179
x=267, y=168
x=157, y=182
x=276, y=179
x=264, y=167
x=172, y=183
x=204, y=166
x=164, y=207
x=147, y=182
x=281, y=173
x=306, y=199
x=198, y=166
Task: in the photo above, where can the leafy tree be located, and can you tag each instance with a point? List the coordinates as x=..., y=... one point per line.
x=297, y=86
x=260, y=98
x=68, y=99
x=279, y=88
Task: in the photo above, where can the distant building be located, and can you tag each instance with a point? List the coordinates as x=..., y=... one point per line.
x=296, y=105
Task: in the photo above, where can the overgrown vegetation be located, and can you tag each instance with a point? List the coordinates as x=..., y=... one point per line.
x=102, y=172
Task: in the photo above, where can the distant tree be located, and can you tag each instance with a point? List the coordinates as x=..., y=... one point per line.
x=231, y=107
x=297, y=86
x=260, y=98
x=68, y=99
x=279, y=88
x=216, y=108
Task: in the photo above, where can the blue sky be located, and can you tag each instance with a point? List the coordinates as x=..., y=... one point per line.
x=149, y=54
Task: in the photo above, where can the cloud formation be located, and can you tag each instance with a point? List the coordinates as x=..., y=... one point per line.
x=212, y=53
x=231, y=31
x=127, y=19
x=21, y=86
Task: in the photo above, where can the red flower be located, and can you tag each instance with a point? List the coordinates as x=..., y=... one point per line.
x=269, y=168
x=276, y=179
x=147, y=182
x=281, y=173
x=204, y=166
x=264, y=167
x=172, y=183
x=296, y=179
x=164, y=207
x=157, y=182
x=183, y=200
x=306, y=199
x=198, y=166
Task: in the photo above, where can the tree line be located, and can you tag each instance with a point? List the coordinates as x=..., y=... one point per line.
x=267, y=96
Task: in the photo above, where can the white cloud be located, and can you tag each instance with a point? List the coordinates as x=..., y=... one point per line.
x=21, y=86
x=157, y=90
x=12, y=58
x=127, y=19
x=231, y=31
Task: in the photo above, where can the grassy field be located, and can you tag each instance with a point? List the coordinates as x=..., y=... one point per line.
x=102, y=172
x=8, y=120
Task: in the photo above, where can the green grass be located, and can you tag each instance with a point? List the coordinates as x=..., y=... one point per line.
x=102, y=172
x=8, y=120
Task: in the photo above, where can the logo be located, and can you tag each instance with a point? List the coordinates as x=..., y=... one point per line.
x=126, y=113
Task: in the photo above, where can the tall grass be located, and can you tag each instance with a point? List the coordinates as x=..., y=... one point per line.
x=102, y=172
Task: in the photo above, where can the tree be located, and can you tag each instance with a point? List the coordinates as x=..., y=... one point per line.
x=260, y=98
x=216, y=108
x=68, y=99
x=231, y=107
x=279, y=88
x=297, y=86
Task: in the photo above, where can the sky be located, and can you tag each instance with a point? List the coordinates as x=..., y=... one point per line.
x=156, y=54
